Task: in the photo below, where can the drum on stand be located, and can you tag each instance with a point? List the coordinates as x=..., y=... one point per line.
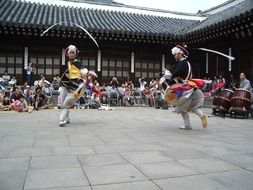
x=240, y=102
x=216, y=102
x=221, y=102
x=224, y=99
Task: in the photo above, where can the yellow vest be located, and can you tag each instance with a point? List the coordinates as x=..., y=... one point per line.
x=74, y=72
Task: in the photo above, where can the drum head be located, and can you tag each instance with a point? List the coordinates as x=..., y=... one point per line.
x=242, y=89
x=229, y=90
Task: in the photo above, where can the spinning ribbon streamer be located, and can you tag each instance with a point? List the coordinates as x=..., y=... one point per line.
x=216, y=52
x=44, y=32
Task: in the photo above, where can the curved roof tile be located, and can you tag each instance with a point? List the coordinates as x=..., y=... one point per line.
x=28, y=14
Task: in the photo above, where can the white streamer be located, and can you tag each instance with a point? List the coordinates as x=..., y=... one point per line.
x=217, y=52
x=75, y=25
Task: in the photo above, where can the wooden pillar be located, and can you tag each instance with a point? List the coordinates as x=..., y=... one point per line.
x=63, y=57
x=230, y=61
x=217, y=66
x=207, y=63
x=99, y=60
x=163, y=61
x=132, y=66
x=26, y=56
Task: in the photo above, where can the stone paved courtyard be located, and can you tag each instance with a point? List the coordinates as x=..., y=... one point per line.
x=128, y=148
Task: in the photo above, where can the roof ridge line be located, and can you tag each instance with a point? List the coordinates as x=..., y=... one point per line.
x=218, y=6
x=120, y=6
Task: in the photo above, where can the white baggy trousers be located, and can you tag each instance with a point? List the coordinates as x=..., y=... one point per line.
x=194, y=103
x=67, y=101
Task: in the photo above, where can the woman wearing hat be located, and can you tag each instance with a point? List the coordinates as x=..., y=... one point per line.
x=194, y=97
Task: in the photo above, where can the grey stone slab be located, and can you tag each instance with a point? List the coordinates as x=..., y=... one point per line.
x=129, y=147
x=164, y=170
x=50, y=134
x=195, y=182
x=177, y=153
x=205, y=165
x=221, y=150
x=102, y=160
x=241, y=160
x=26, y=152
x=12, y=179
x=17, y=141
x=53, y=178
x=4, y=152
x=146, y=157
x=73, y=150
x=115, y=137
x=108, y=140
x=85, y=141
x=142, y=185
x=113, y=174
x=69, y=188
x=52, y=142
x=14, y=164
x=234, y=180
x=125, y=140
x=54, y=162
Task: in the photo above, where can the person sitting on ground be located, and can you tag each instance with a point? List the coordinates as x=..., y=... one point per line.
x=232, y=83
x=159, y=100
x=39, y=99
x=104, y=98
x=20, y=105
x=42, y=80
x=128, y=97
x=113, y=93
x=6, y=77
x=17, y=100
x=5, y=104
x=114, y=82
x=148, y=96
x=82, y=102
x=152, y=82
x=47, y=90
x=28, y=95
x=55, y=84
x=95, y=101
x=130, y=84
x=143, y=83
x=13, y=81
x=16, y=95
x=121, y=90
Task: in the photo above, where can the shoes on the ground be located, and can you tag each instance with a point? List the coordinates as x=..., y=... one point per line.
x=68, y=121
x=185, y=127
x=30, y=109
x=204, y=121
x=62, y=123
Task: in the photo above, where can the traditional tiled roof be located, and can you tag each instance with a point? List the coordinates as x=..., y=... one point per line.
x=35, y=15
x=224, y=15
x=118, y=19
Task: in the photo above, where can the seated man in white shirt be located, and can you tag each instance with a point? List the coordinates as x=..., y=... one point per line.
x=6, y=77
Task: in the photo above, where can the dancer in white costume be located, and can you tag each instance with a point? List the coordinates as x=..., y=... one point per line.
x=187, y=94
x=74, y=83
